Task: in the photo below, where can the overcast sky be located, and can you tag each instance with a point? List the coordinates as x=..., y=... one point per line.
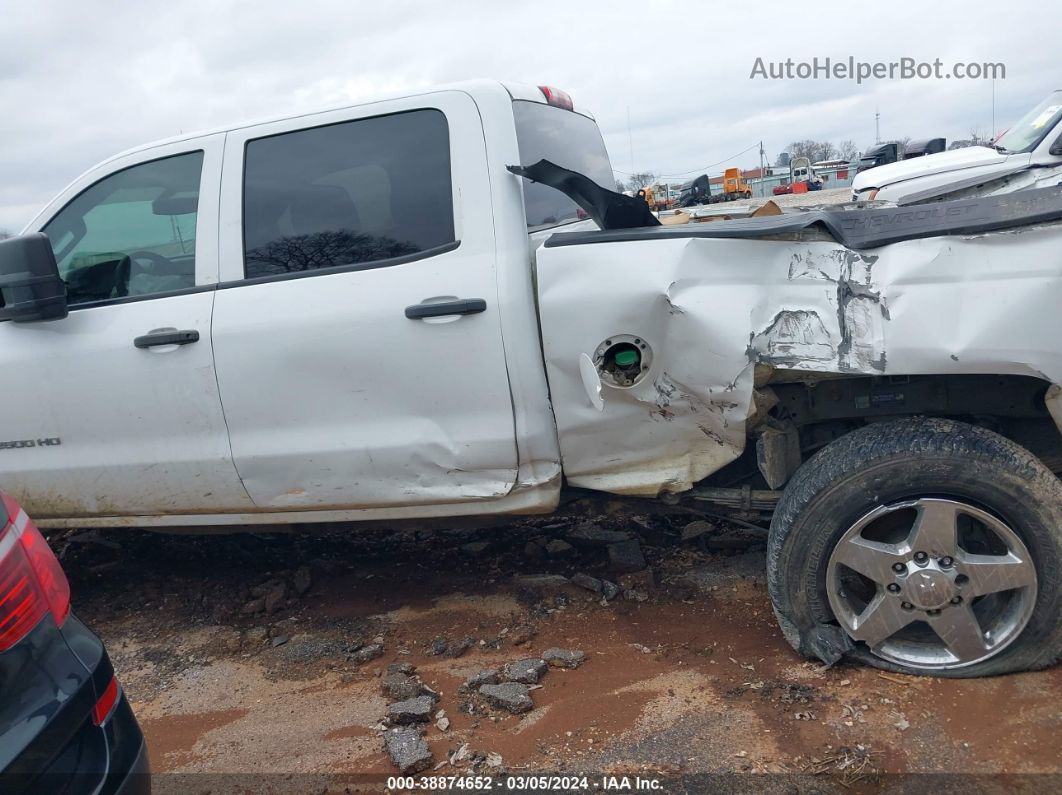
x=83, y=79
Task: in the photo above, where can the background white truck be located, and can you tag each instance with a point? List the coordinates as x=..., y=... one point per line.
x=343, y=316
x=1027, y=155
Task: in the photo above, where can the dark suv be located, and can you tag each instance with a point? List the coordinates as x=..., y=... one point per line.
x=65, y=724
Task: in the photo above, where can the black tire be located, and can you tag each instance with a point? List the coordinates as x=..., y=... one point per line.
x=889, y=462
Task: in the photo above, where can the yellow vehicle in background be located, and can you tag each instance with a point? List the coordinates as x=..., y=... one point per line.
x=657, y=197
x=735, y=186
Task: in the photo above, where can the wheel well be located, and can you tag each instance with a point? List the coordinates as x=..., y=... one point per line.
x=814, y=409
x=1011, y=405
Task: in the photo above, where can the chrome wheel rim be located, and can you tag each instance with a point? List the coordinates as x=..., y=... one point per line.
x=932, y=583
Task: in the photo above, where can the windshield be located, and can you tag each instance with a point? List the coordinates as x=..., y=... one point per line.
x=569, y=140
x=1027, y=133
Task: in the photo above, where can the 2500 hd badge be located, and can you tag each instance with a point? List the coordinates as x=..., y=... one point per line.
x=18, y=444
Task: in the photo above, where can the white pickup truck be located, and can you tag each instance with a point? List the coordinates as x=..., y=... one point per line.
x=425, y=306
x=1028, y=155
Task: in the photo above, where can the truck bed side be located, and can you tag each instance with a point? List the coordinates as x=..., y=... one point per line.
x=718, y=313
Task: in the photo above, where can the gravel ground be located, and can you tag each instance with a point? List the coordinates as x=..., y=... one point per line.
x=252, y=663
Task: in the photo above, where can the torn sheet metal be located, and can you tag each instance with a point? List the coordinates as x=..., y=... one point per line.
x=608, y=209
x=859, y=228
x=713, y=308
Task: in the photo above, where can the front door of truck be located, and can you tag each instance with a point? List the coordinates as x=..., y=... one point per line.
x=99, y=417
x=356, y=329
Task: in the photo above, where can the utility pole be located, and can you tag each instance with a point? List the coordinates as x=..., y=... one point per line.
x=763, y=173
x=630, y=140
x=993, y=130
x=877, y=127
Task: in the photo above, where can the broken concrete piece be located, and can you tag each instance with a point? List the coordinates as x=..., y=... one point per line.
x=626, y=556
x=459, y=647
x=407, y=749
x=587, y=582
x=367, y=653
x=559, y=549
x=592, y=535
x=274, y=600
x=528, y=671
x=512, y=696
x=412, y=710
x=564, y=658
x=609, y=590
x=401, y=687
x=542, y=581
x=402, y=668
x=488, y=676
x=475, y=548
x=697, y=529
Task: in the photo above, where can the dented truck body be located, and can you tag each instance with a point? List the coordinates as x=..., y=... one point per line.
x=545, y=330
x=725, y=316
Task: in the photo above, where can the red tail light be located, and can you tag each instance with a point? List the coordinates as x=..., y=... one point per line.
x=557, y=98
x=32, y=583
x=105, y=706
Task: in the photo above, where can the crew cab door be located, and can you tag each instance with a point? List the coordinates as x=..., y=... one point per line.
x=356, y=331
x=98, y=417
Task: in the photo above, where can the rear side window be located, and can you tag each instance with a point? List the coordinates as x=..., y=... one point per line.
x=347, y=194
x=568, y=139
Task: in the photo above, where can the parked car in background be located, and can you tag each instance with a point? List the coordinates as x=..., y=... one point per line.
x=1027, y=155
x=65, y=724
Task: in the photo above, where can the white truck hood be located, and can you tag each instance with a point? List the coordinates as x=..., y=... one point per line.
x=956, y=160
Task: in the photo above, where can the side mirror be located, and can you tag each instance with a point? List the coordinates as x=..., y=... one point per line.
x=30, y=287
x=1056, y=147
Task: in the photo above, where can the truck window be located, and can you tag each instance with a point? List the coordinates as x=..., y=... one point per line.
x=132, y=233
x=352, y=193
x=568, y=139
x=1034, y=126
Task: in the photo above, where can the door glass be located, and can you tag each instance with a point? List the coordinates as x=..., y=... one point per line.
x=357, y=192
x=132, y=233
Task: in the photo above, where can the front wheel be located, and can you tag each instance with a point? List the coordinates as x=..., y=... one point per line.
x=925, y=546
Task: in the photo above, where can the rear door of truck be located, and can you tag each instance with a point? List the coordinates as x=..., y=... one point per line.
x=356, y=330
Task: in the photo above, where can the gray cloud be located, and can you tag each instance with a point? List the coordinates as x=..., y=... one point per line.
x=80, y=81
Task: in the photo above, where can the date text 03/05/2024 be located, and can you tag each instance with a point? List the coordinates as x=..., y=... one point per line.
x=533, y=783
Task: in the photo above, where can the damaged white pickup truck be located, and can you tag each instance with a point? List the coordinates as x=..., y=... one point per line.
x=343, y=316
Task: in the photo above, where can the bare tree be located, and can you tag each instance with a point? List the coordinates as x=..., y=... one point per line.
x=641, y=180
x=620, y=186
x=847, y=150
x=813, y=150
x=901, y=144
